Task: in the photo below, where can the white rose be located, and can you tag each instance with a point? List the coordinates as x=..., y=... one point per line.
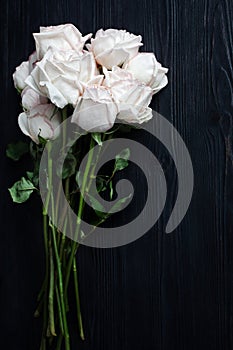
x=62, y=75
x=62, y=37
x=31, y=98
x=23, y=71
x=113, y=47
x=96, y=111
x=132, y=96
x=41, y=120
x=147, y=69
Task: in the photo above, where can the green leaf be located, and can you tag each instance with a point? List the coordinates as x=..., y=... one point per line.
x=34, y=178
x=125, y=128
x=16, y=150
x=97, y=206
x=18, y=90
x=124, y=154
x=21, y=190
x=111, y=131
x=121, y=159
x=97, y=137
x=117, y=206
x=100, y=184
x=30, y=175
x=42, y=141
x=79, y=178
x=69, y=166
x=82, y=234
x=33, y=149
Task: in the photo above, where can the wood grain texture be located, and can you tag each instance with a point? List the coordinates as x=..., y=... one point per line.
x=163, y=292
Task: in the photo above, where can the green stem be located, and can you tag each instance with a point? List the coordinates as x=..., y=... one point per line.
x=45, y=225
x=79, y=315
x=45, y=313
x=63, y=310
x=89, y=185
x=63, y=239
x=62, y=253
x=75, y=244
x=51, y=295
x=64, y=116
x=80, y=212
x=41, y=291
x=38, y=309
x=59, y=342
x=58, y=262
x=43, y=344
x=46, y=281
x=59, y=310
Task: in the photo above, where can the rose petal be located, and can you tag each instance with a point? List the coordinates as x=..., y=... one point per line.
x=54, y=94
x=20, y=74
x=23, y=123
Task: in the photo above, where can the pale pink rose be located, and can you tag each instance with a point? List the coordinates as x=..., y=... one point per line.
x=131, y=96
x=147, y=69
x=62, y=76
x=23, y=71
x=96, y=111
x=113, y=47
x=62, y=37
x=30, y=98
x=43, y=120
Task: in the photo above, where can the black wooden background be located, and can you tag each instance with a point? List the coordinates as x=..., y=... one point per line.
x=164, y=292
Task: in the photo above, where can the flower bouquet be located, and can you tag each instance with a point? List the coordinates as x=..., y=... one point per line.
x=93, y=91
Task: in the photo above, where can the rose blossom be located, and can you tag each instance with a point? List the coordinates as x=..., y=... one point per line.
x=31, y=98
x=41, y=120
x=23, y=71
x=113, y=47
x=96, y=111
x=62, y=75
x=62, y=37
x=147, y=69
x=132, y=96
